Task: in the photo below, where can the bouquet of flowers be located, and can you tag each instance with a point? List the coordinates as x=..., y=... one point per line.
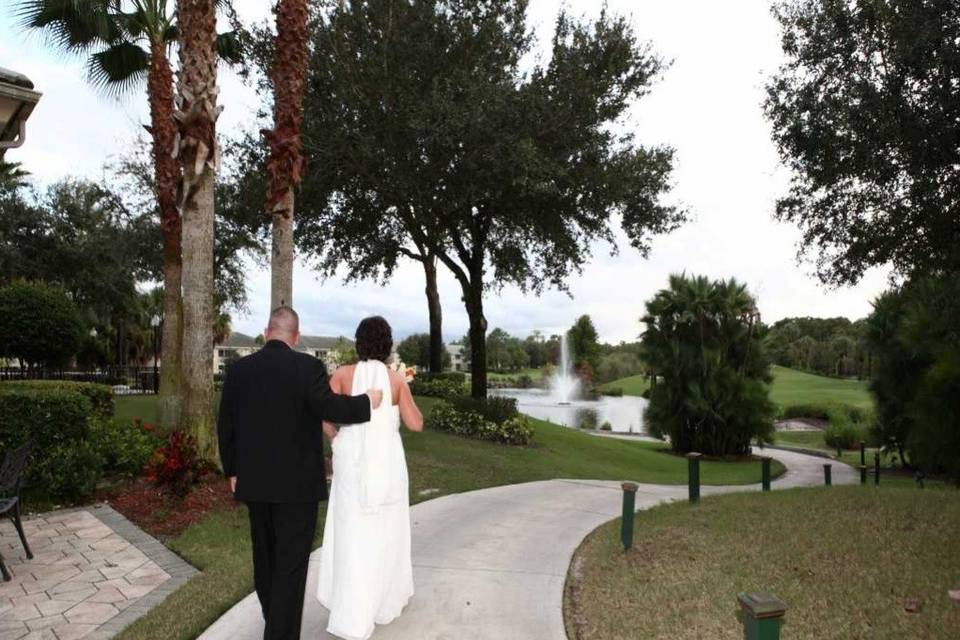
x=408, y=373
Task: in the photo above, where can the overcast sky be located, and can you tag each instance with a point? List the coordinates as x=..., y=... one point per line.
x=707, y=106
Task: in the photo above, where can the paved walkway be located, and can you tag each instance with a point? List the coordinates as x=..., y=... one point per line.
x=491, y=564
x=92, y=574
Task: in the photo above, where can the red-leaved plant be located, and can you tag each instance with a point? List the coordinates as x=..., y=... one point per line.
x=176, y=466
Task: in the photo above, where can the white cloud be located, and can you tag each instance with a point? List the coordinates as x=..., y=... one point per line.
x=707, y=106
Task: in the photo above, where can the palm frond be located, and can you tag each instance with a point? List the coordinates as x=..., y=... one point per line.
x=72, y=25
x=229, y=48
x=117, y=69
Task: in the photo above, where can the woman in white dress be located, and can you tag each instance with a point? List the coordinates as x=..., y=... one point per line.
x=366, y=576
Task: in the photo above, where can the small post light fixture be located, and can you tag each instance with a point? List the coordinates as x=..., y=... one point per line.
x=93, y=333
x=155, y=323
x=17, y=99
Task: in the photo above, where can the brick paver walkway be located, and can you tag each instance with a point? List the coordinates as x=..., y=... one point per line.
x=92, y=574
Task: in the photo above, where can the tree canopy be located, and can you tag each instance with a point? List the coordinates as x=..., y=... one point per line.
x=916, y=383
x=39, y=324
x=426, y=138
x=866, y=114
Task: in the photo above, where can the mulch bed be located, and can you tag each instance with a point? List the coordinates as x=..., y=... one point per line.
x=164, y=516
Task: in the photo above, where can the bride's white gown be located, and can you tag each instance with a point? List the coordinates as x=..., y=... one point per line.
x=366, y=576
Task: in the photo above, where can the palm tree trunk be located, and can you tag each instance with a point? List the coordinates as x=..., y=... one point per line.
x=285, y=163
x=167, y=177
x=197, y=115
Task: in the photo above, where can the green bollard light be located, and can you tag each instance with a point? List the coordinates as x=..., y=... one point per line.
x=876, y=468
x=762, y=615
x=626, y=523
x=828, y=474
x=765, y=462
x=693, y=476
x=863, y=474
x=863, y=453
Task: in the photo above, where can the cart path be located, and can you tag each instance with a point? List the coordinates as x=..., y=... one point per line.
x=491, y=564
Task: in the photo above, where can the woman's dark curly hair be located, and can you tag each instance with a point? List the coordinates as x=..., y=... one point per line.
x=374, y=339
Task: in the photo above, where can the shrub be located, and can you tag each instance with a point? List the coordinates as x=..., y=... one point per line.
x=450, y=376
x=494, y=409
x=50, y=416
x=616, y=392
x=843, y=435
x=69, y=470
x=514, y=431
x=436, y=388
x=125, y=448
x=99, y=395
x=39, y=324
x=606, y=426
x=176, y=466
x=588, y=419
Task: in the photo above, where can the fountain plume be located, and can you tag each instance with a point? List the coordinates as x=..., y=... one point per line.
x=564, y=384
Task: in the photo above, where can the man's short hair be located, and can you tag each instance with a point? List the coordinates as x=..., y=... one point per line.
x=284, y=319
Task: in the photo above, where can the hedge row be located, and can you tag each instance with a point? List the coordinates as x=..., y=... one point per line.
x=75, y=441
x=99, y=395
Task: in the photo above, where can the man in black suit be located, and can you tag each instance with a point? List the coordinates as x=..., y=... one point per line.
x=271, y=447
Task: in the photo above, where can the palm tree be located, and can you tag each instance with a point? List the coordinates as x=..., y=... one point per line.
x=285, y=163
x=12, y=177
x=122, y=46
x=196, y=117
x=703, y=342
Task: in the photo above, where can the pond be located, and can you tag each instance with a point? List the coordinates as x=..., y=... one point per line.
x=625, y=414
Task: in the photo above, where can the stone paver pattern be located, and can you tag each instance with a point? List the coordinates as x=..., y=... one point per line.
x=92, y=574
x=491, y=564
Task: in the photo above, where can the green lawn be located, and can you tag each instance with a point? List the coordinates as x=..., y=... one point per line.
x=219, y=545
x=789, y=387
x=796, y=387
x=846, y=560
x=632, y=386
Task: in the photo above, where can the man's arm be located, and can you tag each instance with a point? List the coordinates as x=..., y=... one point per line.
x=225, y=427
x=334, y=407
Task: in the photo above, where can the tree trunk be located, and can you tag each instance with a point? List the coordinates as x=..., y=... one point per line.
x=285, y=162
x=167, y=173
x=436, y=314
x=197, y=114
x=281, y=256
x=473, y=297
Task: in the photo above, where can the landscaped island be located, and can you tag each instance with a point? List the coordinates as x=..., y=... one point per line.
x=850, y=562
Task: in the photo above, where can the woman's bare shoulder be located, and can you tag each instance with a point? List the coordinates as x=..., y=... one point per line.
x=342, y=378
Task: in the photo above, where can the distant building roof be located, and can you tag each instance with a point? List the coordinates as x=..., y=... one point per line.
x=322, y=342
x=239, y=340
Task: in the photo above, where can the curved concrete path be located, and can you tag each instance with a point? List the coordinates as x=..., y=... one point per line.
x=491, y=564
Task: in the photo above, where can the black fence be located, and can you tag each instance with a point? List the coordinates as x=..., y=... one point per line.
x=124, y=380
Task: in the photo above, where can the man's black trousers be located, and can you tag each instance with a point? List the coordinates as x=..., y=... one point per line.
x=282, y=538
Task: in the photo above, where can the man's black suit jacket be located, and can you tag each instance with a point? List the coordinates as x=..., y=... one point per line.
x=269, y=425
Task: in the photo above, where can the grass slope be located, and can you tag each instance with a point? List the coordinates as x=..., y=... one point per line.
x=220, y=546
x=789, y=387
x=631, y=386
x=846, y=560
x=796, y=387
